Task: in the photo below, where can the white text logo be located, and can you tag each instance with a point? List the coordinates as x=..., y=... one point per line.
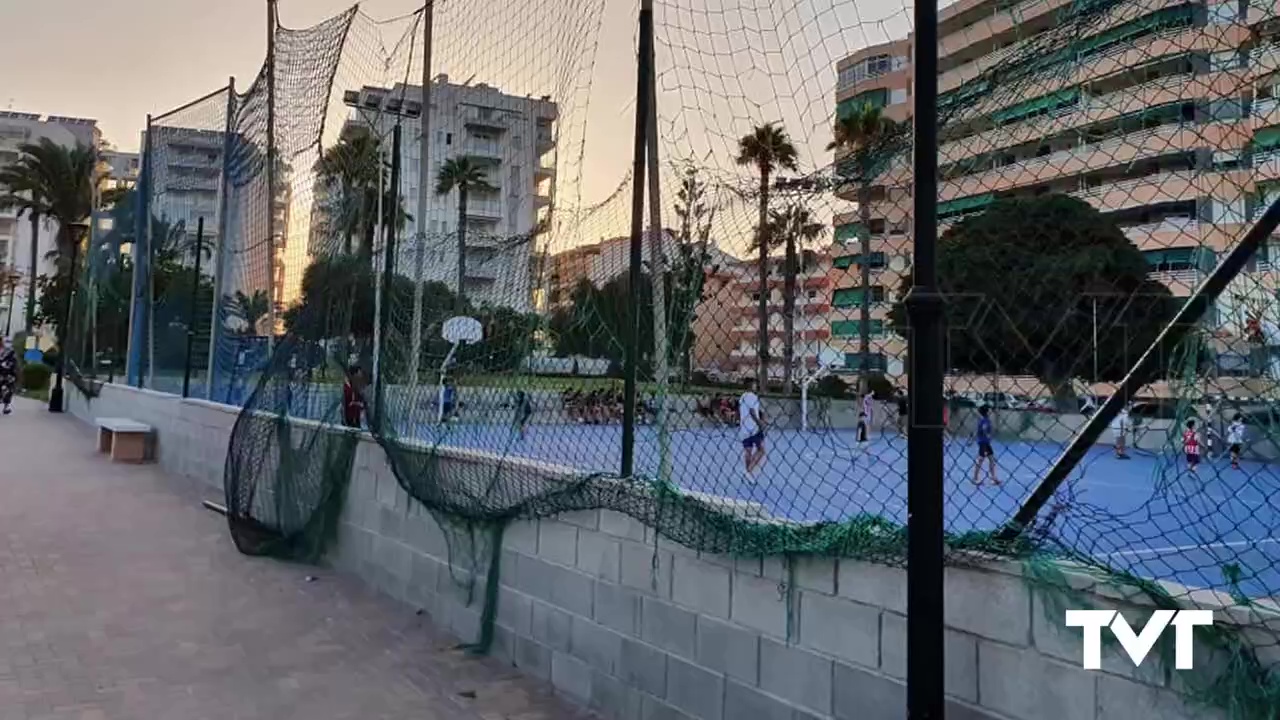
x=1137, y=645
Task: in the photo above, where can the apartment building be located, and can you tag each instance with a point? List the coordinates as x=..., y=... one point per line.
x=513, y=138
x=16, y=236
x=731, y=315
x=1164, y=115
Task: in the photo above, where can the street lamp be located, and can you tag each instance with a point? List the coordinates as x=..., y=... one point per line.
x=79, y=230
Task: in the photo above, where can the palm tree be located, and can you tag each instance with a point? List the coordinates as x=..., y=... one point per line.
x=866, y=135
x=768, y=148
x=353, y=164
x=794, y=226
x=248, y=309
x=57, y=182
x=465, y=175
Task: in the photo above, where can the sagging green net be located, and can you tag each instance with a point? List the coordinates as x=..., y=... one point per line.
x=1097, y=161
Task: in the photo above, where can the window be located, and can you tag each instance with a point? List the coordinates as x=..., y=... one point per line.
x=1223, y=13
x=812, y=294
x=898, y=95
x=448, y=138
x=755, y=297
x=871, y=67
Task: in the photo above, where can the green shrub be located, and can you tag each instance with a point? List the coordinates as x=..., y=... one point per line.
x=830, y=386
x=35, y=376
x=881, y=387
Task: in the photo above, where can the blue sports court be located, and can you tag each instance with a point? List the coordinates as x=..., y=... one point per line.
x=1147, y=515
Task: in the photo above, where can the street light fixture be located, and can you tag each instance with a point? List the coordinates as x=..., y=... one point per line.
x=79, y=230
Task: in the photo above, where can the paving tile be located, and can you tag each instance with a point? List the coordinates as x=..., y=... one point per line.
x=123, y=598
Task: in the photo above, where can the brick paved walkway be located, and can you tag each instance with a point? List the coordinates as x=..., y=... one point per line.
x=120, y=597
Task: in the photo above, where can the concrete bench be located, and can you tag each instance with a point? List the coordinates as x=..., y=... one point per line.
x=126, y=440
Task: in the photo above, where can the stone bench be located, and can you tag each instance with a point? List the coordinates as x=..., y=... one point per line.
x=126, y=440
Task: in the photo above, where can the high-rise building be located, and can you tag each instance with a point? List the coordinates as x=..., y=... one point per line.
x=736, y=320
x=512, y=138
x=1165, y=116
x=17, y=129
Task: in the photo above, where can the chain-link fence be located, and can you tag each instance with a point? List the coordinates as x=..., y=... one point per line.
x=742, y=371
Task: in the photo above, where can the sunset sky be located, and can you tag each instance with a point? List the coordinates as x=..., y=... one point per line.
x=725, y=65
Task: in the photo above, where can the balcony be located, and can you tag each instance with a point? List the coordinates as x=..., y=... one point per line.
x=1179, y=282
x=544, y=138
x=1266, y=165
x=544, y=169
x=1176, y=40
x=484, y=209
x=1097, y=108
x=484, y=118
x=1163, y=233
x=1001, y=21
x=483, y=149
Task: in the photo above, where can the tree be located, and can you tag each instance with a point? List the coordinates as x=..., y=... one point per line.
x=794, y=226
x=688, y=272
x=53, y=181
x=248, y=309
x=867, y=137
x=1053, y=256
x=467, y=176
x=768, y=148
x=353, y=164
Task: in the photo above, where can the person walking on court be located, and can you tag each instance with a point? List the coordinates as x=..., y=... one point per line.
x=1191, y=445
x=448, y=401
x=1235, y=438
x=8, y=375
x=353, y=407
x=864, y=417
x=524, y=411
x=751, y=429
x=985, y=452
x=1120, y=426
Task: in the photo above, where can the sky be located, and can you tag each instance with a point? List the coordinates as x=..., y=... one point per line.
x=122, y=59
x=724, y=66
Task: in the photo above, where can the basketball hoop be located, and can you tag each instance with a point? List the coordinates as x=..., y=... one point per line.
x=458, y=330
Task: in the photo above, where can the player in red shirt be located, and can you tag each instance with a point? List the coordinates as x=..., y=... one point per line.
x=352, y=397
x=1191, y=445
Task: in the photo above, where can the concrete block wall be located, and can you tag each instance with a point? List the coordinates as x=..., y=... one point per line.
x=640, y=628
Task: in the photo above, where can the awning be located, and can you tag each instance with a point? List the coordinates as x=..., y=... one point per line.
x=1266, y=138
x=1051, y=101
x=964, y=205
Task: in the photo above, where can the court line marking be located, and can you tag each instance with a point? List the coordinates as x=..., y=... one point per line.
x=1182, y=548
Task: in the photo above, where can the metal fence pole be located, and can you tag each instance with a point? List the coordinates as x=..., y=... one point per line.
x=219, y=252
x=191, y=315
x=271, y=175
x=388, y=274
x=139, y=305
x=925, y=699
x=1144, y=370
x=644, y=67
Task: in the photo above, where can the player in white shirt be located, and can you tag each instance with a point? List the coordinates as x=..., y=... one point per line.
x=1120, y=426
x=1235, y=438
x=751, y=429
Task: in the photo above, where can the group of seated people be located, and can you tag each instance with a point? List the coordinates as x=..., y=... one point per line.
x=603, y=406
x=719, y=408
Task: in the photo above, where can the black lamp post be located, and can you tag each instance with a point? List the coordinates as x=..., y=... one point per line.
x=78, y=231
